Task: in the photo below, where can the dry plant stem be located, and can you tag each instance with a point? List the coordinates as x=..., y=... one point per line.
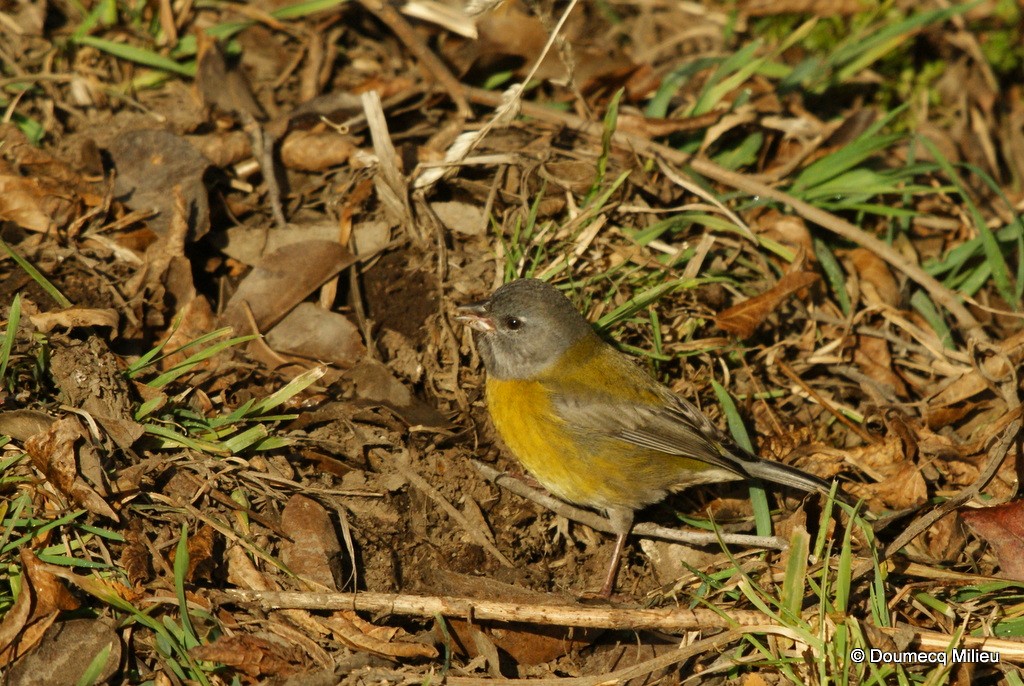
x=599, y=523
x=263, y=150
x=389, y=181
x=404, y=466
x=924, y=522
x=792, y=376
x=672, y=619
x=434, y=68
x=669, y=619
x=942, y=295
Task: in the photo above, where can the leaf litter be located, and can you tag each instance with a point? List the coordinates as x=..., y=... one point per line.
x=712, y=189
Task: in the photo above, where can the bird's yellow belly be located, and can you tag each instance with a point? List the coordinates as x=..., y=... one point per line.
x=587, y=470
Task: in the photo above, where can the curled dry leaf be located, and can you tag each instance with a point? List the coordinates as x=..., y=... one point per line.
x=873, y=357
x=221, y=86
x=37, y=190
x=255, y=656
x=41, y=598
x=789, y=230
x=53, y=452
x=899, y=483
x=315, y=151
x=75, y=318
x=21, y=201
x=359, y=634
x=1002, y=527
x=744, y=319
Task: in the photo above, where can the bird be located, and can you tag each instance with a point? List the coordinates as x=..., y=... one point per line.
x=588, y=423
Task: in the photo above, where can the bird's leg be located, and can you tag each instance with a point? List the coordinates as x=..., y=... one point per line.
x=622, y=523
x=613, y=567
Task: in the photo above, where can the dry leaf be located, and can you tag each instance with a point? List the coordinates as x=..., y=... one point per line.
x=75, y=318
x=41, y=599
x=744, y=319
x=149, y=163
x=315, y=151
x=53, y=453
x=360, y=635
x=255, y=656
x=1002, y=527
x=312, y=332
x=221, y=87
x=311, y=550
x=872, y=356
x=66, y=652
x=282, y=280
x=877, y=282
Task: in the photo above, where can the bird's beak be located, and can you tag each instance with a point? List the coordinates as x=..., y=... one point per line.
x=475, y=316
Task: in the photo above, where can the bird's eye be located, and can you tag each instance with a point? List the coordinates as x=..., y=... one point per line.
x=513, y=323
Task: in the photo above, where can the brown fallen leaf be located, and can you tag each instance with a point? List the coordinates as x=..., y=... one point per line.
x=315, y=150
x=899, y=482
x=222, y=87
x=788, y=229
x=54, y=191
x=149, y=163
x=21, y=201
x=312, y=549
x=41, y=599
x=744, y=319
x=282, y=280
x=135, y=556
x=75, y=318
x=1002, y=527
x=312, y=332
x=872, y=355
x=54, y=454
x=66, y=652
x=255, y=656
x=877, y=282
x=386, y=641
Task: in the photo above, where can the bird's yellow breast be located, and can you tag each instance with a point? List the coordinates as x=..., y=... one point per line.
x=522, y=414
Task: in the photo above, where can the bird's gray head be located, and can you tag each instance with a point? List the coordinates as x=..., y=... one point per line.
x=524, y=328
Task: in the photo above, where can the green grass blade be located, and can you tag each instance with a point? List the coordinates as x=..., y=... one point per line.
x=758, y=496
x=9, y=335
x=146, y=58
x=833, y=274
x=181, y=558
x=37, y=276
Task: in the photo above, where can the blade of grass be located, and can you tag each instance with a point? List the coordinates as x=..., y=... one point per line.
x=138, y=55
x=181, y=557
x=13, y=319
x=37, y=276
x=758, y=496
x=189, y=363
x=794, y=583
x=833, y=274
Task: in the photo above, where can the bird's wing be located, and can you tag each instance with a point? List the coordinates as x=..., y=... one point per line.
x=672, y=425
x=668, y=428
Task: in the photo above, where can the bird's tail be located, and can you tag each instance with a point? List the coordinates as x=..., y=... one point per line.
x=778, y=473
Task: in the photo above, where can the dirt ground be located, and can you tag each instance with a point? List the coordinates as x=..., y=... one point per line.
x=234, y=238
